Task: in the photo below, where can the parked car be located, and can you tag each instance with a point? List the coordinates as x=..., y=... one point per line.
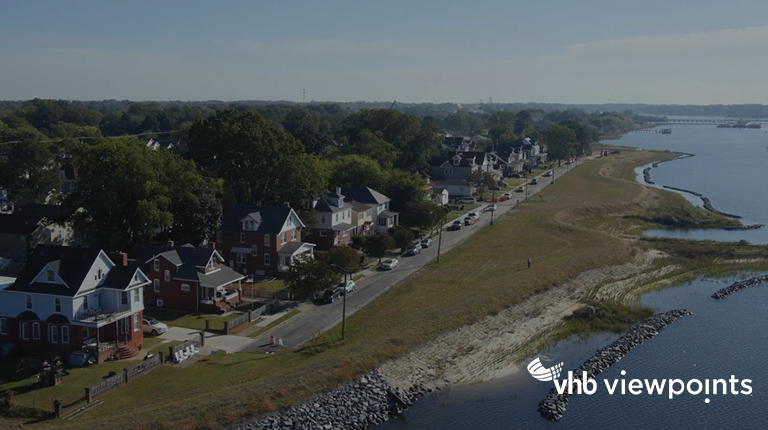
x=520, y=189
x=474, y=215
x=390, y=264
x=495, y=189
x=515, y=175
x=331, y=295
x=348, y=287
x=469, y=220
x=153, y=326
x=548, y=173
x=534, y=181
x=457, y=225
x=504, y=198
x=467, y=200
x=507, y=195
x=416, y=249
x=491, y=208
x=426, y=243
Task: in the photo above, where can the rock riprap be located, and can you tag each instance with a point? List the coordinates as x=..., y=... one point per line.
x=737, y=286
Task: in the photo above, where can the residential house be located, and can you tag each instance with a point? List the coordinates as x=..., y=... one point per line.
x=379, y=204
x=440, y=196
x=458, y=143
x=335, y=225
x=76, y=303
x=188, y=278
x=68, y=178
x=457, y=188
x=154, y=144
x=262, y=240
x=362, y=218
x=28, y=227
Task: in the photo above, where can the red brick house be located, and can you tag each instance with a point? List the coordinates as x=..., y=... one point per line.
x=261, y=240
x=73, y=302
x=188, y=278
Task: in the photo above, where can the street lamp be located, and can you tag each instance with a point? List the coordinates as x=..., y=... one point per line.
x=344, y=301
x=440, y=234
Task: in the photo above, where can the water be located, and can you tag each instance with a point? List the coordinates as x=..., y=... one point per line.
x=721, y=338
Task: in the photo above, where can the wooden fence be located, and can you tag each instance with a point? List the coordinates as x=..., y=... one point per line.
x=123, y=377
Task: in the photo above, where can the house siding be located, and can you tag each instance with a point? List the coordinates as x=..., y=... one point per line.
x=254, y=264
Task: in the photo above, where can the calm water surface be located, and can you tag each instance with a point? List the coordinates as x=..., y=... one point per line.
x=721, y=338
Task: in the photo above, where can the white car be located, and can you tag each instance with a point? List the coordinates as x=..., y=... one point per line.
x=389, y=264
x=153, y=326
x=491, y=208
x=348, y=287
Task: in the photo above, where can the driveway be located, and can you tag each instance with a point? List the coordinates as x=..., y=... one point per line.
x=213, y=341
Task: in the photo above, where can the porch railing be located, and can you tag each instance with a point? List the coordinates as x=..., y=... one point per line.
x=96, y=315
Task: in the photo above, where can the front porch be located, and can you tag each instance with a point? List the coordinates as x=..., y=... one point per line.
x=103, y=338
x=292, y=251
x=387, y=220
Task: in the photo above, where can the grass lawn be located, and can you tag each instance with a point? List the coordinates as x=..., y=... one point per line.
x=590, y=202
x=150, y=342
x=189, y=320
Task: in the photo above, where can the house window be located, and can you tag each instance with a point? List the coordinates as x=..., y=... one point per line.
x=267, y=261
x=25, y=331
x=29, y=301
x=293, y=235
x=53, y=332
x=218, y=236
x=184, y=287
x=64, y=334
x=49, y=274
x=382, y=222
x=167, y=275
x=124, y=297
x=157, y=265
x=3, y=326
x=266, y=240
x=242, y=237
x=254, y=251
x=282, y=239
x=85, y=302
x=336, y=218
x=136, y=322
x=57, y=304
x=156, y=284
x=101, y=275
x=36, y=331
x=322, y=219
x=323, y=233
x=240, y=258
x=124, y=324
x=137, y=295
x=212, y=264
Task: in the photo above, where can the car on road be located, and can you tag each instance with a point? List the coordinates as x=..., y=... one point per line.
x=504, y=198
x=390, y=264
x=534, y=181
x=474, y=215
x=152, y=326
x=426, y=243
x=457, y=225
x=347, y=287
x=416, y=249
x=548, y=173
x=491, y=208
x=332, y=294
x=520, y=189
x=469, y=220
x=507, y=195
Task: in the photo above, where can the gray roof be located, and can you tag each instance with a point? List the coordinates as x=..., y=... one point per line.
x=387, y=214
x=20, y=225
x=292, y=247
x=272, y=218
x=323, y=206
x=359, y=207
x=344, y=227
x=218, y=278
x=191, y=263
x=364, y=194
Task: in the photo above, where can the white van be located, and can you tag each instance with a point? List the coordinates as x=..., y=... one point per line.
x=467, y=201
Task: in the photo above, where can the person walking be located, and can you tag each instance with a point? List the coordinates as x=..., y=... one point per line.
x=529, y=262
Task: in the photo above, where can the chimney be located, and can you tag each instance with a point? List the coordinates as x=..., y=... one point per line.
x=338, y=191
x=119, y=258
x=212, y=245
x=169, y=243
x=287, y=204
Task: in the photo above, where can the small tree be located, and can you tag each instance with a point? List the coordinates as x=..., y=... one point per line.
x=308, y=276
x=376, y=246
x=344, y=257
x=402, y=237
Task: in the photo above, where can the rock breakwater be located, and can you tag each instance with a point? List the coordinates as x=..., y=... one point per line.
x=553, y=406
x=358, y=405
x=647, y=175
x=744, y=227
x=737, y=286
x=705, y=200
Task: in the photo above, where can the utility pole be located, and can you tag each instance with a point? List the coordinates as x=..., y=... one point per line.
x=440, y=236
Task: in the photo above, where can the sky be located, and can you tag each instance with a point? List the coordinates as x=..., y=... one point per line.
x=549, y=51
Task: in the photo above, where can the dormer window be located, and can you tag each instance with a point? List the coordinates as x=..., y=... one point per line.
x=212, y=264
x=456, y=161
x=49, y=275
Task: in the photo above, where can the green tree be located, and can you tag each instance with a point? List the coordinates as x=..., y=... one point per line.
x=421, y=215
x=309, y=276
x=585, y=135
x=481, y=180
x=560, y=141
x=345, y=257
x=402, y=238
x=196, y=209
x=30, y=174
x=353, y=170
x=377, y=245
x=404, y=188
x=523, y=120
x=259, y=163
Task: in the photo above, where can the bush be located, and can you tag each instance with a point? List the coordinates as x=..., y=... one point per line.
x=358, y=240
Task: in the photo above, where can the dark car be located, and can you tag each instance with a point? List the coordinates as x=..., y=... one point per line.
x=414, y=250
x=457, y=225
x=331, y=295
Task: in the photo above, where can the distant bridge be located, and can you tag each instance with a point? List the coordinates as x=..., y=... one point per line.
x=711, y=121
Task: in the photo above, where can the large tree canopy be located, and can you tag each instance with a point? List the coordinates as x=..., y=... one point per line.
x=30, y=173
x=259, y=163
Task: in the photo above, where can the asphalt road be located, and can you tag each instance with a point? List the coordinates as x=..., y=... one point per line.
x=299, y=329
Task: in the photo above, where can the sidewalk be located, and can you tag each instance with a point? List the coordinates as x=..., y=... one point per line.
x=265, y=320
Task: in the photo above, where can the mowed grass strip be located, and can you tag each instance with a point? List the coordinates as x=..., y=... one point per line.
x=481, y=276
x=189, y=320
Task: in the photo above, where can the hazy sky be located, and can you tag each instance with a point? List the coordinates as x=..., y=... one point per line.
x=591, y=51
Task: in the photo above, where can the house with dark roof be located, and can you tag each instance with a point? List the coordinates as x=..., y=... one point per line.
x=379, y=204
x=76, y=303
x=155, y=144
x=27, y=227
x=188, y=278
x=262, y=240
x=334, y=225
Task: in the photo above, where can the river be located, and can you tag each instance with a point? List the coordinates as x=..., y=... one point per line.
x=721, y=338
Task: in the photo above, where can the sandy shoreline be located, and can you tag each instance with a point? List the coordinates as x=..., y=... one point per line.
x=495, y=346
